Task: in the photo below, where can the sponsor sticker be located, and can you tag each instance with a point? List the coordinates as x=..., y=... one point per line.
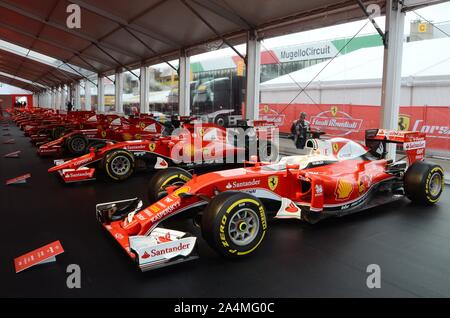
x=343, y=189
x=243, y=184
x=272, y=182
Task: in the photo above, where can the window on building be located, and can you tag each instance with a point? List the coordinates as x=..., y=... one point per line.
x=130, y=92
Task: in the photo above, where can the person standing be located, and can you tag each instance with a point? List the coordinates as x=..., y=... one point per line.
x=69, y=106
x=299, y=130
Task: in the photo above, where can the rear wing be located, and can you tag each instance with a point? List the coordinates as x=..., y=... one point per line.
x=413, y=143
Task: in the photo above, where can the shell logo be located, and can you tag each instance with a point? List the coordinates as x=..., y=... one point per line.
x=343, y=189
x=137, y=136
x=152, y=146
x=155, y=209
x=127, y=136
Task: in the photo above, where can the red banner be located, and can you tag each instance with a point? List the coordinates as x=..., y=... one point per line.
x=352, y=120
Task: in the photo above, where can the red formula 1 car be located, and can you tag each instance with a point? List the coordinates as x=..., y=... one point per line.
x=336, y=178
x=110, y=129
x=58, y=129
x=195, y=145
x=29, y=117
x=54, y=126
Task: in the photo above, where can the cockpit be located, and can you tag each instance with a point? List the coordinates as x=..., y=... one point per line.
x=321, y=152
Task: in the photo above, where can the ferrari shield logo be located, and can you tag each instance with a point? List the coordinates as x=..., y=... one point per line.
x=404, y=122
x=142, y=125
x=335, y=148
x=201, y=131
x=334, y=110
x=152, y=146
x=103, y=133
x=273, y=182
x=266, y=108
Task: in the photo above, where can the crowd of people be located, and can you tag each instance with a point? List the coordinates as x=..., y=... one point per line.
x=20, y=104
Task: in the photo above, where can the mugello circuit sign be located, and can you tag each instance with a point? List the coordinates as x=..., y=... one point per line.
x=319, y=50
x=352, y=120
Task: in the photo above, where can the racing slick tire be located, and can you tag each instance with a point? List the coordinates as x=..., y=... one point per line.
x=424, y=182
x=221, y=120
x=57, y=132
x=77, y=144
x=172, y=176
x=234, y=224
x=118, y=164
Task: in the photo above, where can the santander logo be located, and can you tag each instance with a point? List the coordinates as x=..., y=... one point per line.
x=86, y=173
x=168, y=250
x=250, y=183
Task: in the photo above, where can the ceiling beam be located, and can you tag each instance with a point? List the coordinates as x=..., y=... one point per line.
x=19, y=84
x=25, y=57
x=63, y=28
x=216, y=8
x=56, y=44
x=28, y=76
x=19, y=80
x=124, y=23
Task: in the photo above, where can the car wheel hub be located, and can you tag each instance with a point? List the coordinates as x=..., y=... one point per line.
x=120, y=165
x=243, y=227
x=78, y=145
x=435, y=184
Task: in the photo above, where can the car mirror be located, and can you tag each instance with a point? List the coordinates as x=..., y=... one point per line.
x=185, y=195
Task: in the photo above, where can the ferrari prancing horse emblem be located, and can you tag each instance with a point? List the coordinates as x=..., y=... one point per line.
x=152, y=146
x=335, y=148
x=334, y=110
x=273, y=182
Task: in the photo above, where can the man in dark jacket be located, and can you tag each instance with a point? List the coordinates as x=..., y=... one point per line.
x=69, y=106
x=299, y=130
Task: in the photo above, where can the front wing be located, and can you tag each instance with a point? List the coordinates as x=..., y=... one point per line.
x=159, y=248
x=75, y=175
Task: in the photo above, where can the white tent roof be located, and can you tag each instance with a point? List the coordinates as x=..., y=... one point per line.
x=421, y=59
x=6, y=89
